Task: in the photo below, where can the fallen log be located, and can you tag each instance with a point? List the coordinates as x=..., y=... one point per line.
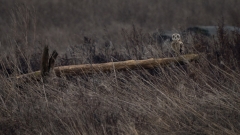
x=110, y=66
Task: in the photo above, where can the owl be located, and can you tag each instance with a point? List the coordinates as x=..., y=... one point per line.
x=177, y=44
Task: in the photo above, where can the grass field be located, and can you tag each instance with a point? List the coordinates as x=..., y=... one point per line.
x=202, y=97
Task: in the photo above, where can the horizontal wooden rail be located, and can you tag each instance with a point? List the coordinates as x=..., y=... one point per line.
x=105, y=67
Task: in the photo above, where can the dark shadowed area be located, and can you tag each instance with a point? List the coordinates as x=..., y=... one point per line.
x=64, y=21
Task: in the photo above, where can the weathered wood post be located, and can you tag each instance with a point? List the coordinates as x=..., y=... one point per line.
x=47, y=64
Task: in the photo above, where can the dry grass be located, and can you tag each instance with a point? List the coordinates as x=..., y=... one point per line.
x=198, y=98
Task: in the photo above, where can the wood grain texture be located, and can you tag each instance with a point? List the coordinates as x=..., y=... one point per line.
x=121, y=65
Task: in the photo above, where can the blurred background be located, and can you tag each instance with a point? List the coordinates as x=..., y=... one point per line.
x=62, y=21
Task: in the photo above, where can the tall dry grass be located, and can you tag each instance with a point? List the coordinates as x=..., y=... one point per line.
x=198, y=98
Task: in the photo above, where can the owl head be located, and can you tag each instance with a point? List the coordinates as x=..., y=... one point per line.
x=176, y=37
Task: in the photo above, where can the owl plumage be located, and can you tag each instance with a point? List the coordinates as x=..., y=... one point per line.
x=177, y=44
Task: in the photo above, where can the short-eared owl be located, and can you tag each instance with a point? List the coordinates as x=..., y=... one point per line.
x=177, y=44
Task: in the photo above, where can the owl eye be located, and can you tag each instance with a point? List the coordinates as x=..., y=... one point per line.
x=178, y=36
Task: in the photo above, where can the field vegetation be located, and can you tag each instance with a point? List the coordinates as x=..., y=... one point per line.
x=201, y=97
